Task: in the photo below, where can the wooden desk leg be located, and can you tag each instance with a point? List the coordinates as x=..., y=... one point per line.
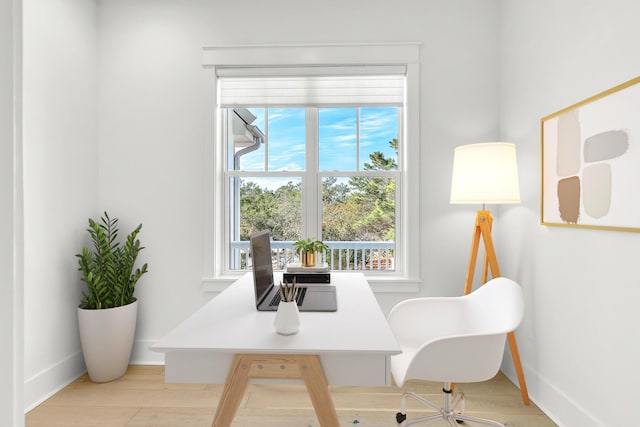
x=313, y=375
x=232, y=393
x=276, y=366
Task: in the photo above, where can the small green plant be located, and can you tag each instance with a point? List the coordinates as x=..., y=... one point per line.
x=307, y=249
x=108, y=270
x=310, y=245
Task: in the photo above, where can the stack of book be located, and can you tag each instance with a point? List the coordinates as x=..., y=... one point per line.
x=317, y=274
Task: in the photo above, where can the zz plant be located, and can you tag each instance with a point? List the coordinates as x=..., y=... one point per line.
x=108, y=270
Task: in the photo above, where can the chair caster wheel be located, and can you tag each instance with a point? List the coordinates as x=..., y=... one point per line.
x=460, y=421
x=400, y=417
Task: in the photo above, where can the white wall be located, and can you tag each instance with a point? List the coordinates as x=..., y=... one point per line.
x=60, y=183
x=579, y=342
x=155, y=123
x=11, y=294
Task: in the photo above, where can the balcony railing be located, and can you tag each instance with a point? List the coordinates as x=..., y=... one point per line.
x=346, y=256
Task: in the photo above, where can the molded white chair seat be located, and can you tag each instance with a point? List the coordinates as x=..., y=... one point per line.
x=454, y=340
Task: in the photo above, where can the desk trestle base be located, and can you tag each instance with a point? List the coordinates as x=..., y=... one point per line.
x=276, y=366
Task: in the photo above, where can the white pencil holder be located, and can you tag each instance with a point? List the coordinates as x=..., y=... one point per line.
x=287, y=321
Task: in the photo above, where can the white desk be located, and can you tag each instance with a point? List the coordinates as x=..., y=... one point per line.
x=229, y=341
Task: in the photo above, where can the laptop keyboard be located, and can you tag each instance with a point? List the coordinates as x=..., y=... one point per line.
x=299, y=297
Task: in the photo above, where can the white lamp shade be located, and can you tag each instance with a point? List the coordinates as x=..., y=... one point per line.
x=485, y=173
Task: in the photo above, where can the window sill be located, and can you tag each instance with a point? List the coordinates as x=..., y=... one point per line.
x=379, y=284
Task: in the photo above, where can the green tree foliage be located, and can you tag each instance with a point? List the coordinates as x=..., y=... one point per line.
x=376, y=198
x=287, y=211
x=256, y=209
x=358, y=210
x=276, y=210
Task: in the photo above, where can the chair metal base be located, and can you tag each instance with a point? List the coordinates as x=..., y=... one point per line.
x=447, y=413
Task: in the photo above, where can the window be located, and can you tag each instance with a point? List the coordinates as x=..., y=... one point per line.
x=298, y=145
x=328, y=172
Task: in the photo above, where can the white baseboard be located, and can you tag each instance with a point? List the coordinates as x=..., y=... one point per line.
x=48, y=382
x=562, y=410
x=141, y=354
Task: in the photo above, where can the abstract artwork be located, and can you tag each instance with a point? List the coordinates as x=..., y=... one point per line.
x=591, y=162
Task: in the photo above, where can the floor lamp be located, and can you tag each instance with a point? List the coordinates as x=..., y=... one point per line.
x=487, y=173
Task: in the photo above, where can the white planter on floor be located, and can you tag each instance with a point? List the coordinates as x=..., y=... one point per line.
x=107, y=340
x=287, y=321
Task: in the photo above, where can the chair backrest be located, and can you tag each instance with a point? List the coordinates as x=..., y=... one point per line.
x=496, y=306
x=471, y=347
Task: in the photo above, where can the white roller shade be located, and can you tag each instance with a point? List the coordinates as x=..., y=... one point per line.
x=311, y=86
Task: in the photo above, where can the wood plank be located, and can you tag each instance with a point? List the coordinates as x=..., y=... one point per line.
x=142, y=399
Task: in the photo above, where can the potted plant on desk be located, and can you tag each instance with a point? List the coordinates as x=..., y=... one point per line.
x=107, y=314
x=307, y=248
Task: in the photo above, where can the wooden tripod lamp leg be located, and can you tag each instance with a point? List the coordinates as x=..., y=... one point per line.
x=515, y=355
x=483, y=229
x=475, y=243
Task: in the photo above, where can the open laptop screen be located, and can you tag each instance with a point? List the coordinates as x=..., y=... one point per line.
x=262, y=263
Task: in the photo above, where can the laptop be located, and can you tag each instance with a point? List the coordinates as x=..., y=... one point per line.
x=309, y=298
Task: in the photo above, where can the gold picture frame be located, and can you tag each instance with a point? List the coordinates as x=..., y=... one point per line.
x=590, y=162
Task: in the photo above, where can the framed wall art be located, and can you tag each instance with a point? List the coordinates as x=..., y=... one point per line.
x=591, y=162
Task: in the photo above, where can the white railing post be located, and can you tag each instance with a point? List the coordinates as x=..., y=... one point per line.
x=367, y=256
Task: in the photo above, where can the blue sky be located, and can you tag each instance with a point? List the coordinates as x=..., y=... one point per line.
x=338, y=137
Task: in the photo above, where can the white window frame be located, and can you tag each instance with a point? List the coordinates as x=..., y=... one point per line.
x=216, y=275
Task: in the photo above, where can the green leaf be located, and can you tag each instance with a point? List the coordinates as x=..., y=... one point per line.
x=108, y=269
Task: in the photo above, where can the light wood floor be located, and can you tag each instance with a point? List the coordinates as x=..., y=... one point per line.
x=141, y=398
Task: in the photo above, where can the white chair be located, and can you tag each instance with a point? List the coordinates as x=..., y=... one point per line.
x=454, y=340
